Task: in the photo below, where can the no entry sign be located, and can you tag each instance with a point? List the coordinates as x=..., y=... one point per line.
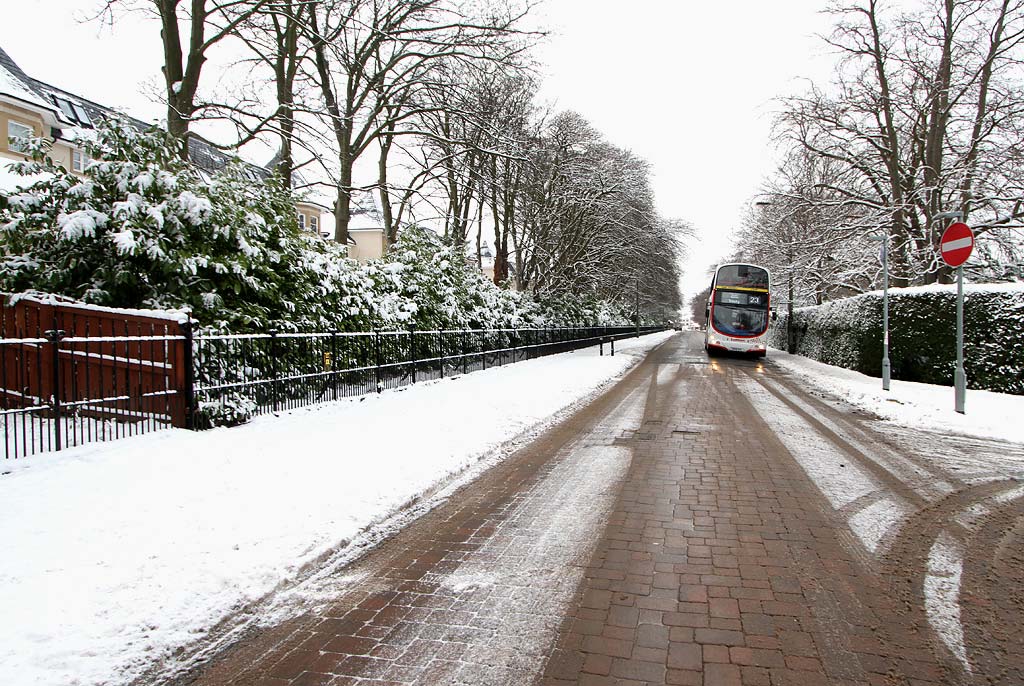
x=957, y=244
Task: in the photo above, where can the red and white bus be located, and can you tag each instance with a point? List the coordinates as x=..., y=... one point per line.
x=737, y=311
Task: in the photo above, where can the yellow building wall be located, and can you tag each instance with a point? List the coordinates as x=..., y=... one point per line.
x=10, y=113
x=307, y=213
x=369, y=245
x=61, y=151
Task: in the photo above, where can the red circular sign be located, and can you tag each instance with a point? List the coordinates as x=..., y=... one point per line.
x=956, y=244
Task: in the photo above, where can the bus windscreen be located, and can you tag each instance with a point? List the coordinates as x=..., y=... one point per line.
x=742, y=276
x=740, y=313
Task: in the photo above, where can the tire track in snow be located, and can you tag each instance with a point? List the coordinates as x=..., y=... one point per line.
x=842, y=478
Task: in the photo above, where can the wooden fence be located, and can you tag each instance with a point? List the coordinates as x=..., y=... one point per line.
x=71, y=374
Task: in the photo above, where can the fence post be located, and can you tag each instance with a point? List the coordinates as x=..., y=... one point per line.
x=54, y=336
x=465, y=352
x=334, y=365
x=512, y=341
x=377, y=359
x=483, y=348
x=273, y=370
x=412, y=350
x=440, y=343
x=190, y=377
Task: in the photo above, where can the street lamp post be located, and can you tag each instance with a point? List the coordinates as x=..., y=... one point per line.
x=886, y=365
x=790, y=340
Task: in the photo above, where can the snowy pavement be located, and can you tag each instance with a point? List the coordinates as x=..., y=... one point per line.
x=117, y=554
x=919, y=405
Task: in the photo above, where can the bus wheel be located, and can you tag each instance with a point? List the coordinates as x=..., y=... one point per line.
x=761, y=354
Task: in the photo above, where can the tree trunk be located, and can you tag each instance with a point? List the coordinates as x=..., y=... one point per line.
x=390, y=229
x=343, y=205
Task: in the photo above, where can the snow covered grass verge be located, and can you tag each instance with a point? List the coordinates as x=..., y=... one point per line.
x=117, y=554
x=927, y=406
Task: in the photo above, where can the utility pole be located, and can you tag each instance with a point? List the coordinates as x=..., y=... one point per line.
x=886, y=366
x=790, y=340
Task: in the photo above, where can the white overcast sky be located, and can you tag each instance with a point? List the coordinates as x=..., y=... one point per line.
x=688, y=85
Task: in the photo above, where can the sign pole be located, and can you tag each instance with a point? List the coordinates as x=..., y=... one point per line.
x=959, y=379
x=956, y=245
x=886, y=367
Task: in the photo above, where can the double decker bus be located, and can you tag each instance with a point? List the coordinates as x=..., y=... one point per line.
x=737, y=310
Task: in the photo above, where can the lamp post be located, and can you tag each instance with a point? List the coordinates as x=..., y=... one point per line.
x=638, y=307
x=886, y=366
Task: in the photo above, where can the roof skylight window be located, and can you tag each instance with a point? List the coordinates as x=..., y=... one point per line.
x=65, y=107
x=81, y=115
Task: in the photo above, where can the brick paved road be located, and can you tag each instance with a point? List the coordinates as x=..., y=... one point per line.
x=700, y=523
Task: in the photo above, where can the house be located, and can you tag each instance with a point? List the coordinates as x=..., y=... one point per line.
x=366, y=237
x=31, y=108
x=486, y=263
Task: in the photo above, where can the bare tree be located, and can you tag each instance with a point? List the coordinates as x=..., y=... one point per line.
x=587, y=225
x=205, y=23
x=373, y=56
x=922, y=118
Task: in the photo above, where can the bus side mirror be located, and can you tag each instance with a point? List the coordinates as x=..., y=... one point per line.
x=775, y=315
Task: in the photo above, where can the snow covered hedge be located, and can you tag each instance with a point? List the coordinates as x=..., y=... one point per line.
x=922, y=334
x=143, y=229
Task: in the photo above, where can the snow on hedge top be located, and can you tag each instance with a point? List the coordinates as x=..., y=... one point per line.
x=969, y=289
x=1014, y=287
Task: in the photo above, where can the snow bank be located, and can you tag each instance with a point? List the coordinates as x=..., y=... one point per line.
x=928, y=406
x=115, y=554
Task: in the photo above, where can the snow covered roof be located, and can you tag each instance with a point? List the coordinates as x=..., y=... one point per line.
x=365, y=213
x=77, y=116
x=14, y=83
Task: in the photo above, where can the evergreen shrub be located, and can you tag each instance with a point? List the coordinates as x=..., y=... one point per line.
x=922, y=334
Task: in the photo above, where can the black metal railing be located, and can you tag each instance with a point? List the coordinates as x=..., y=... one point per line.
x=241, y=375
x=59, y=390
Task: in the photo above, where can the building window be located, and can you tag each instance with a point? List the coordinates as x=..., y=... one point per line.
x=79, y=160
x=302, y=222
x=314, y=224
x=18, y=135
